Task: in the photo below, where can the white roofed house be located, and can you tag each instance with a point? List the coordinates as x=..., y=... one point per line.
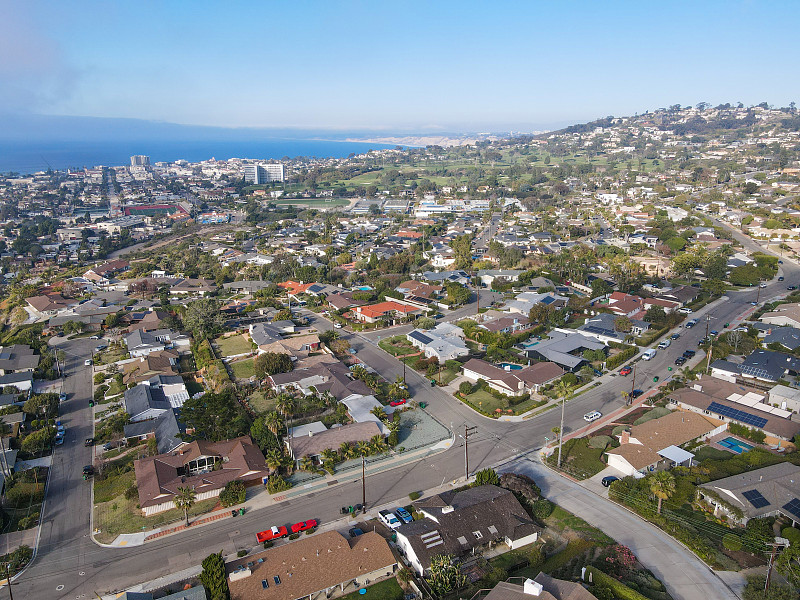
x=444, y=342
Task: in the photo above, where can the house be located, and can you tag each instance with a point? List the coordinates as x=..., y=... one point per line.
x=760, y=368
x=343, y=301
x=784, y=314
x=459, y=523
x=22, y=380
x=603, y=328
x=314, y=444
x=17, y=358
x=543, y=587
x=785, y=398
x=101, y=274
x=510, y=324
x=512, y=383
x=360, y=410
x=326, y=375
x=655, y=443
x=767, y=492
x=488, y=276
x=155, y=363
x=419, y=289
x=444, y=342
x=724, y=401
x=204, y=466
x=312, y=567
x=563, y=348
x=141, y=343
x=445, y=276
x=296, y=347
x=525, y=301
x=788, y=337
x=683, y=294
x=147, y=320
x=164, y=429
x=143, y=402
x=49, y=305
x=390, y=309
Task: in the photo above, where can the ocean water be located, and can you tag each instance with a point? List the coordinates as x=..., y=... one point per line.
x=29, y=157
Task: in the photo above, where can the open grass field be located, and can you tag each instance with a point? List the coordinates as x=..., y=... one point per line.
x=233, y=345
x=243, y=369
x=313, y=202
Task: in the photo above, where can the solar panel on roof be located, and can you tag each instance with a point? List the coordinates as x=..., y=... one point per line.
x=793, y=507
x=420, y=337
x=737, y=415
x=755, y=498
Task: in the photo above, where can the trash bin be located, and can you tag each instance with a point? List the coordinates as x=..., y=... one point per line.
x=241, y=511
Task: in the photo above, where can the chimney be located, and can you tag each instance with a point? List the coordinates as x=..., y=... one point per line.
x=310, y=434
x=532, y=588
x=625, y=437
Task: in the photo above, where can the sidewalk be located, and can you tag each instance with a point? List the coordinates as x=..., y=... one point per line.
x=263, y=499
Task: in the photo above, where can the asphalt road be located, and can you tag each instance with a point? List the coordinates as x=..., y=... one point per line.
x=67, y=557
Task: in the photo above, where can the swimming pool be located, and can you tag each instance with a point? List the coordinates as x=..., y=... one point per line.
x=510, y=366
x=735, y=445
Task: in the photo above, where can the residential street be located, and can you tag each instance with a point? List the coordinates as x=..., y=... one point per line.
x=67, y=557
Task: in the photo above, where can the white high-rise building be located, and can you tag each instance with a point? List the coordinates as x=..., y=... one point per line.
x=140, y=160
x=258, y=174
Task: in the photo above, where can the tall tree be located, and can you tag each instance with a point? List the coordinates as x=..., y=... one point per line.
x=184, y=500
x=662, y=486
x=203, y=318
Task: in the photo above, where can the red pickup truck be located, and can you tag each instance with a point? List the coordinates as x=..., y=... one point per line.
x=273, y=533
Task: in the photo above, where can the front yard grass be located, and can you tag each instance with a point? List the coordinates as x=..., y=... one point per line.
x=260, y=403
x=111, y=355
x=120, y=515
x=486, y=402
x=243, y=369
x=578, y=458
x=233, y=345
x=397, y=346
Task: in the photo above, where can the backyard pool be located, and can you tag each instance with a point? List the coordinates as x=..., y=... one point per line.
x=735, y=445
x=509, y=366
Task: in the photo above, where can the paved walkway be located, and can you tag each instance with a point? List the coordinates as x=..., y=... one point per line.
x=684, y=574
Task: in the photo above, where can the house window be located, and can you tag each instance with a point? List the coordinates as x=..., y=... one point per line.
x=478, y=535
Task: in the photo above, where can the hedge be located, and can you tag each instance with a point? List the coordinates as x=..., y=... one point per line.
x=614, y=361
x=621, y=591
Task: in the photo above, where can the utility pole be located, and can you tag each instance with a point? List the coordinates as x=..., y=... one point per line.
x=758, y=294
x=404, y=371
x=775, y=546
x=561, y=429
x=467, y=431
x=8, y=579
x=363, y=485
x=633, y=384
x=708, y=361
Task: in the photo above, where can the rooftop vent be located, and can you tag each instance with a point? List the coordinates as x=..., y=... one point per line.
x=447, y=509
x=532, y=588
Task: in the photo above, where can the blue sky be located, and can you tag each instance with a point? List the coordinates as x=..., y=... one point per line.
x=452, y=66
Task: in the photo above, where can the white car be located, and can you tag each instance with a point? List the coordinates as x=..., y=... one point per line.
x=337, y=325
x=685, y=310
x=389, y=519
x=88, y=362
x=664, y=344
x=763, y=285
x=592, y=416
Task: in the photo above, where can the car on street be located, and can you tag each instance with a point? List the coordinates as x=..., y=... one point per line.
x=690, y=324
x=754, y=304
x=100, y=347
x=389, y=519
x=714, y=332
x=87, y=362
x=685, y=310
x=88, y=470
x=59, y=438
x=664, y=344
x=337, y=325
x=355, y=532
x=636, y=393
x=592, y=416
x=680, y=360
x=62, y=396
x=403, y=515
x=304, y=525
x=88, y=442
x=763, y=285
x=689, y=353
x=608, y=480
x=625, y=371
x=792, y=287
x=780, y=278
x=273, y=533
x=95, y=337
x=675, y=336
x=398, y=402
x=703, y=340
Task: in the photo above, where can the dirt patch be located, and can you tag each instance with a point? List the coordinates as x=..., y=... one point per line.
x=629, y=418
x=744, y=559
x=604, y=430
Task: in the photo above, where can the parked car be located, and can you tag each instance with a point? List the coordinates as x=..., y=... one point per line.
x=337, y=325
x=792, y=287
x=608, y=480
x=636, y=393
x=649, y=354
x=88, y=470
x=592, y=416
x=88, y=442
x=625, y=371
x=689, y=353
x=762, y=285
x=664, y=344
x=680, y=360
x=398, y=402
x=303, y=525
x=714, y=332
x=100, y=347
x=59, y=438
x=690, y=324
x=87, y=362
x=404, y=515
x=685, y=310
x=62, y=396
x=389, y=519
x=95, y=337
x=273, y=533
x=597, y=373
x=780, y=278
x=675, y=336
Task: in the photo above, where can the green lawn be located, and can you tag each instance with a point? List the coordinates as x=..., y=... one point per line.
x=233, y=345
x=562, y=520
x=243, y=369
x=483, y=400
x=111, y=355
x=397, y=346
x=313, y=202
x=578, y=459
x=387, y=589
x=260, y=403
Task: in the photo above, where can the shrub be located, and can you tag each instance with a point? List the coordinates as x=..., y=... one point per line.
x=600, y=441
x=241, y=553
x=29, y=521
x=542, y=509
x=614, y=361
x=99, y=378
x=234, y=493
x=465, y=387
x=132, y=492
x=791, y=534
x=276, y=484
x=415, y=496
x=487, y=477
x=732, y=542
x=294, y=536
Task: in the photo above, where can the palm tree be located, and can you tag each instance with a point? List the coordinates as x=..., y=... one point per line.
x=359, y=372
x=662, y=486
x=345, y=450
x=379, y=412
x=397, y=389
x=185, y=499
x=328, y=455
x=563, y=389
x=362, y=448
x=329, y=399
x=377, y=444
x=286, y=406
x=273, y=422
x=274, y=459
x=306, y=464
